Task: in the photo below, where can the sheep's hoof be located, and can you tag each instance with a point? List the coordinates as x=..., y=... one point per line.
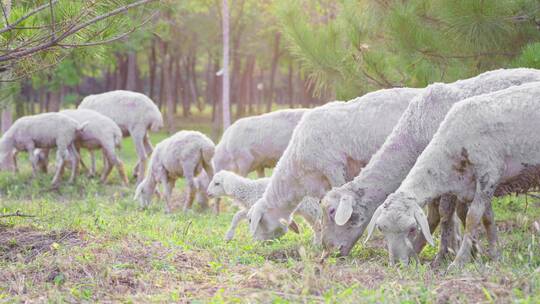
x=229, y=236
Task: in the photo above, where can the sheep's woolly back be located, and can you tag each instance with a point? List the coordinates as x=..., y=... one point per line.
x=263, y=137
x=487, y=140
x=128, y=109
x=244, y=190
x=99, y=127
x=331, y=143
x=413, y=132
x=181, y=148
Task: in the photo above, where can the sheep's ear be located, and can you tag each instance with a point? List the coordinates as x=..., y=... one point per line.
x=421, y=218
x=255, y=216
x=344, y=210
x=137, y=192
x=294, y=227
x=371, y=225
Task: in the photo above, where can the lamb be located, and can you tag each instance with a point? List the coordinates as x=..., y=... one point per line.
x=135, y=114
x=47, y=130
x=328, y=148
x=487, y=145
x=349, y=208
x=185, y=154
x=245, y=192
x=257, y=142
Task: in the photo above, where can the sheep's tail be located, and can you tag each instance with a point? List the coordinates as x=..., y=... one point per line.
x=206, y=159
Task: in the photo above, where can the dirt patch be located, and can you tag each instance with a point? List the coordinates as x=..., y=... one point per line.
x=471, y=290
x=282, y=255
x=26, y=243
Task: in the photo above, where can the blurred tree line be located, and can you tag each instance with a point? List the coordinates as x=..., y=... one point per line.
x=290, y=52
x=175, y=59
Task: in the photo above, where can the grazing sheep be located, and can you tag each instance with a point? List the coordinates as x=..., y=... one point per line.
x=47, y=130
x=328, y=148
x=349, y=208
x=487, y=145
x=185, y=154
x=245, y=192
x=135, y=114
x=257, y=142
x=100, y=133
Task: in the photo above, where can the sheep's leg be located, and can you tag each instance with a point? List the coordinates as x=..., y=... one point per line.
x=33, y=159
x=92, y=170
x=108, y=160
x=474, y=215
x=238, y=217
x=201, y=199
x=189, y=174
x=75, y=157
x=168, y=185
x=217, y=202
x=244, y=163
x=43, y=163
x=61, y=154
x=260, y=172
x=15, y=165
x=138, y=140
x=491, y=231
x=433, y=221
x=446, y=210
x=148, y=145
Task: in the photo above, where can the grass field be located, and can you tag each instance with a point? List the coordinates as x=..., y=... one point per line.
x=90, y=243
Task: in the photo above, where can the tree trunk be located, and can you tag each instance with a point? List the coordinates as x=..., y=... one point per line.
x=131, y=71
x=275, y=58
x=290, y=87
x=226, y=80
x=168, y=91
x=152, y=70
x=208, y=80
x=251, y=86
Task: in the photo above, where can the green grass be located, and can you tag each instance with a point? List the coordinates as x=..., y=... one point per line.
x=112, y=251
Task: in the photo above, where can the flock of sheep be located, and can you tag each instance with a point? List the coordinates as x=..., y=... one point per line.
x=372, y=162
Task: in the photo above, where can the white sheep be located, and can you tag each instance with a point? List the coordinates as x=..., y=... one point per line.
x=245, y=192
x=328, y=148
x=46, y=131
x=349, y=208
x=102, y=133
x=135, y=114
x=184, y=154
x=257, y=142
x=487, y=145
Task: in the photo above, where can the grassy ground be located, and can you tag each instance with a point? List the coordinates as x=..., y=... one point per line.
x=89, y=242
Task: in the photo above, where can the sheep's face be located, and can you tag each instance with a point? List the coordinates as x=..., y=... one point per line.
x=398, y=219
x=144, y=194
x=216, y=186
x=396, y=230
x=266, y=223
x=344, y=220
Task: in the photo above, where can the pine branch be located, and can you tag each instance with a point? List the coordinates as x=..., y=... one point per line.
x=71, y=30
x=13, y=25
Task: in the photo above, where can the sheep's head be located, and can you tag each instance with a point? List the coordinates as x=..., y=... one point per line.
x=399, y=219
x=268, y=223
x=345, y=218
x=143, y=193
x=216, y=188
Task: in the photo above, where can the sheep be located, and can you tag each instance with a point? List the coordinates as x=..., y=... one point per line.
x=100, y=133
x=47, y=130
x=135, y=114
x=328, y=147
x=185, y=154
x=255, y=143
x=487, y=145
x=245, y=192
x=349, y=208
